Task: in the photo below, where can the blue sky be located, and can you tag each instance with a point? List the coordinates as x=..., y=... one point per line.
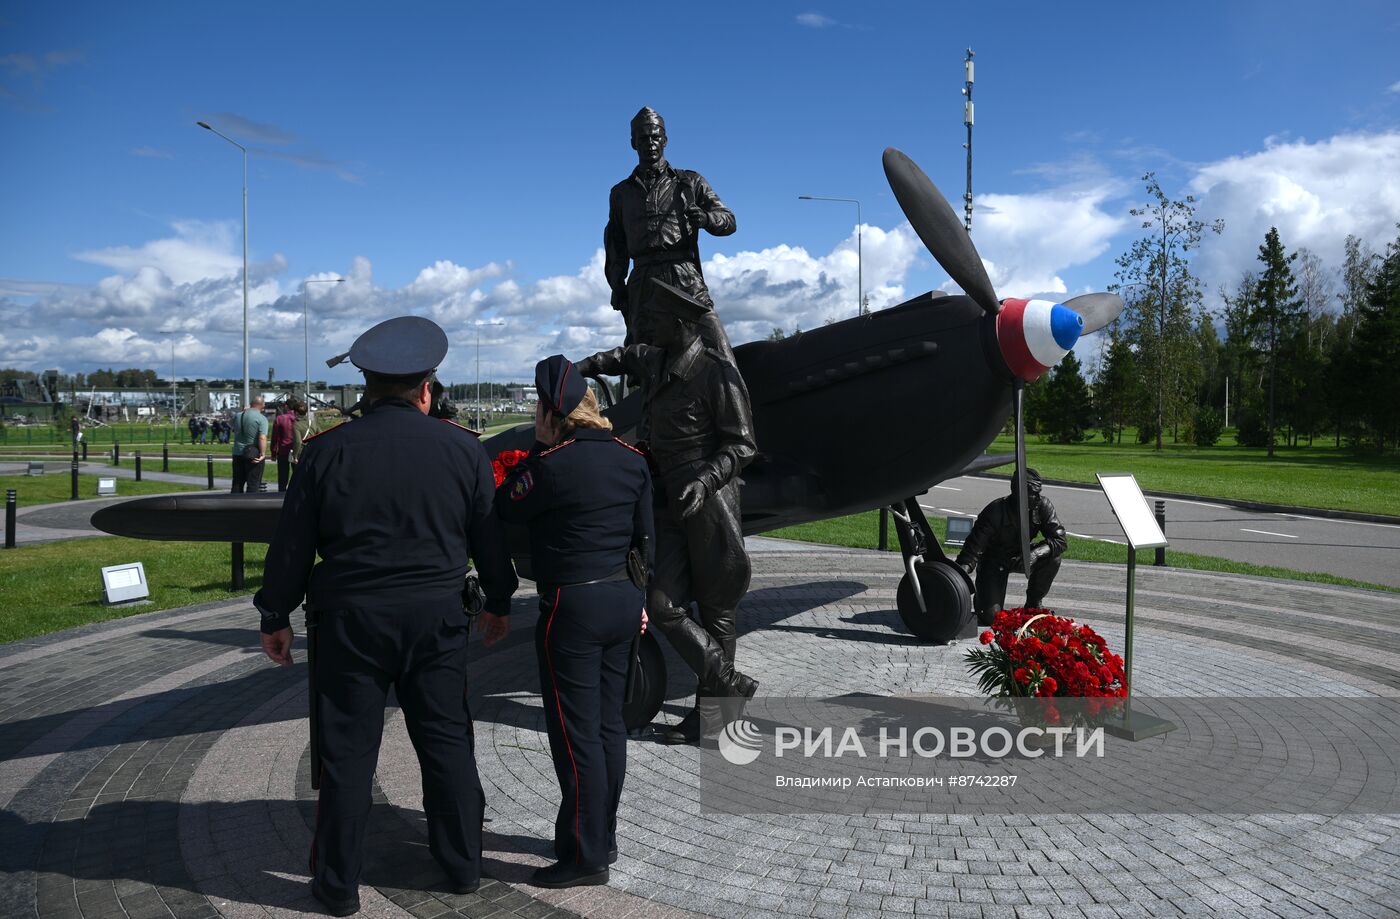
x=454, y=159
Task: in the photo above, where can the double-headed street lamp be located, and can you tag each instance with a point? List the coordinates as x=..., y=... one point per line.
x=247, y=386
x=306, y=345
x=860, y=271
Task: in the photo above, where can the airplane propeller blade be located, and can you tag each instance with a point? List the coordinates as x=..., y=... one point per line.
x=1097, y=310
x=938, y=226
x=1022, y=510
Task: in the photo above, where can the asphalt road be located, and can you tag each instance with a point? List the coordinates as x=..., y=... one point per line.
x=1352, y=549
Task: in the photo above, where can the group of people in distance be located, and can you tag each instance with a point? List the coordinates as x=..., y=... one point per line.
x=386, y=513
x=255, y=440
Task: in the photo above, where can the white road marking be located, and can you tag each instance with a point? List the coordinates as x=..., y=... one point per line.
x=951, y=511
x=947, y=488
x=1364, y=523
x=1266, y=533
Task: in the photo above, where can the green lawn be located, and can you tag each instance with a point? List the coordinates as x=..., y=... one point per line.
x=59, y=585
x=1318, y=476
x=54, y=487
x=862, y=531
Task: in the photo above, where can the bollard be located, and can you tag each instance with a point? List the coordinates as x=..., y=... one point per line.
x=262, y=487
x=138, y=465
x=11, y=500
x=209, y=458
x=84, y=451
x=1161, y=558
x=884, y=529
x=116, y=453
x=237, y=581
x=165, y=458
x=75, y=475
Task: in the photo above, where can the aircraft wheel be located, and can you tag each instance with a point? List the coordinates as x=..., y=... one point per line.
x=651, y=684
x=947, y=596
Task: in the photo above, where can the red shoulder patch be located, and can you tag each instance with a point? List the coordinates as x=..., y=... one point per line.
x=559, y=446
x=628, y=446
x=524, y=484
x=476, y=434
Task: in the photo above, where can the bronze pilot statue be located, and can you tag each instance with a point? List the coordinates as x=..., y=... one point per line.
x=993, y=548
x=697, y=426
x=655, y=216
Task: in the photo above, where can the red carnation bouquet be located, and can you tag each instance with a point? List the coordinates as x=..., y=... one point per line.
x=1035, y=653
x=505, y=461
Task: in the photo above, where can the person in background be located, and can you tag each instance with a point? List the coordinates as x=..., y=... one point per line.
x=282, y=442
x=249, y=448
x=301, y=426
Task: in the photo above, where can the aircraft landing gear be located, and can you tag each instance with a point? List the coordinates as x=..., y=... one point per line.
x=935, y=595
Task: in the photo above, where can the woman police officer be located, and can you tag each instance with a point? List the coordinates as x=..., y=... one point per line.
x=586, y=497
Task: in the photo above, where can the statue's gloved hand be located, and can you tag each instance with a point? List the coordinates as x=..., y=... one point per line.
x=697, y=217
x=692, y=498
x=1039, y=552
x=967, y=565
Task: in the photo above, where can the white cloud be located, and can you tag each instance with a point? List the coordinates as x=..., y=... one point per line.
x=152, y=153
x=815, y=20
x=1315, y=193
x=198, y=250
x=1027, y=240
x=1393, y=87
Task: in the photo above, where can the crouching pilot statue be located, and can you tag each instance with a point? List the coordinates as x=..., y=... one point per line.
x=993, y=548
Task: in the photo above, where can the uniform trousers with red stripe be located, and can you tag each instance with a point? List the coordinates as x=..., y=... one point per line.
x=421, y=650
x=582, y=641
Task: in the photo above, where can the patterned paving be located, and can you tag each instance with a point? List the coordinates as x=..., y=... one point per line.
x=157, y=766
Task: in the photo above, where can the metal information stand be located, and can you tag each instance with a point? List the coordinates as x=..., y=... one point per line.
x=1140, y=528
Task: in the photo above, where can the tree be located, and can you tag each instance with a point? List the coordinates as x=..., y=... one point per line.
x=777, y=334
x=1068, y=409
x=1377, y=345
x=1275, y=315
x=1115, y=385
x=1161, y=293
x=1237, y=358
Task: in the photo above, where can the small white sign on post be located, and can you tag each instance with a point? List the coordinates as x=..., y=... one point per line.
x=124, y=583
x=106, y=485
x=1141, y=530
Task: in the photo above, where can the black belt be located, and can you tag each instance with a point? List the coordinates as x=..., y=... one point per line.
x=649, y=259
x=619, y=575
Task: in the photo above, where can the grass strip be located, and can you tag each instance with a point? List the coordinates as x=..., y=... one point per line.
x=52, y=488
x=862, y=531
x=55, y=586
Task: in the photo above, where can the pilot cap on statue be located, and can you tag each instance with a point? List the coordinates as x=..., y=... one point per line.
x=647, y=115
x=675, y=301
x=560, y=386
x=400, y=347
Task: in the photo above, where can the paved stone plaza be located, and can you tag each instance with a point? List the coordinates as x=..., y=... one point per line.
x=157, y=766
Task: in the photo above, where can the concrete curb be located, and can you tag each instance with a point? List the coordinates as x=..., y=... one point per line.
x=1229, y=502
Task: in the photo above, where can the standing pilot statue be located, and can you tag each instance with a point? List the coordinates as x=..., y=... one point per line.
x=993, y=548
x=697, y=426
x=655, y=216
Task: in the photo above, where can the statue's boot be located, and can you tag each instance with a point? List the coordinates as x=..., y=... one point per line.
x=718, y=700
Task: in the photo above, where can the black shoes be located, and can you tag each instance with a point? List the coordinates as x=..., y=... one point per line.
x=612, y=855
x=562, y=875
x=335, y=907
x=465, y=886
x=687, y=731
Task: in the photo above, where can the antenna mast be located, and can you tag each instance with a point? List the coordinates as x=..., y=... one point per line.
x=967, y=120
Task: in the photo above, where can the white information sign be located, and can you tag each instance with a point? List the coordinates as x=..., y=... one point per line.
x=123, y=583
x=1130, y=507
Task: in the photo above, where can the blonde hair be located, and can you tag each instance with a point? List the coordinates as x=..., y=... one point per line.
x=584, y=416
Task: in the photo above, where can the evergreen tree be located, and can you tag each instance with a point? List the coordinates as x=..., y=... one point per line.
x=1377, y=345
x=1275, y=317
x=1115, y=385
x=1160, y=294
x=1068, y=409
x=1237, y=356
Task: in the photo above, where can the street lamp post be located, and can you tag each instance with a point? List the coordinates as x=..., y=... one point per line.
x=306, y=346
x=479, y=324
x=860, y=268
x=174, y=392
x=247, y=386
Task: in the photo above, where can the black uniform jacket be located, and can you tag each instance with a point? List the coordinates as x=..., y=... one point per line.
x=997, y=533
x=587, y=501
x=396, y=504
x=697, y=422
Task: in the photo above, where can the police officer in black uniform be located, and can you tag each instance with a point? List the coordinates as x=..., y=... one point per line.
x=993, y=548
x=396, y=503
x=586, y=497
